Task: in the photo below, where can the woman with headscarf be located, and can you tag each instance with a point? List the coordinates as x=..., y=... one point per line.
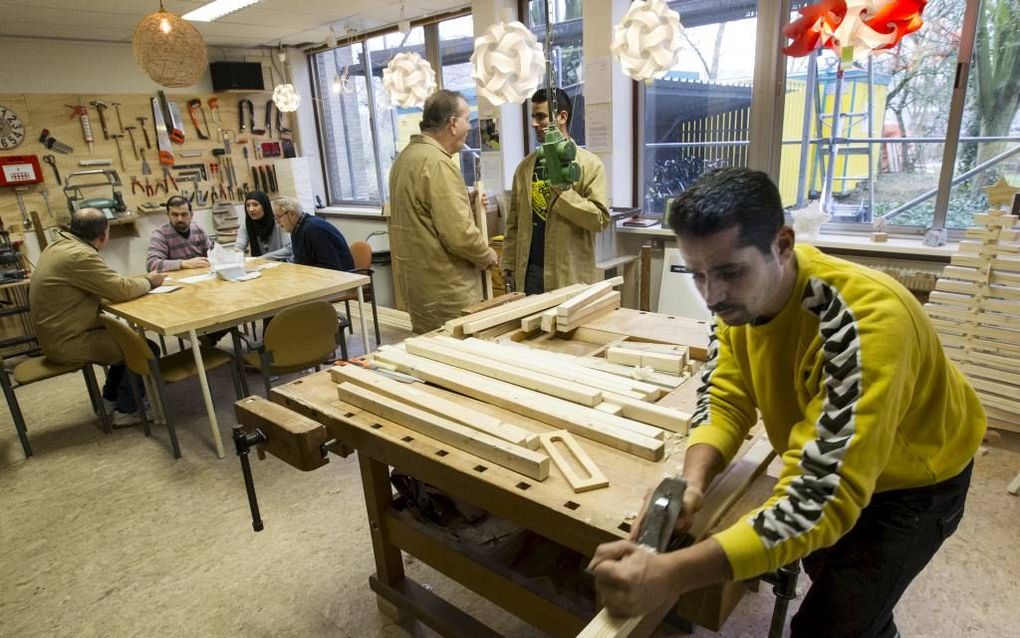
x=261, y=231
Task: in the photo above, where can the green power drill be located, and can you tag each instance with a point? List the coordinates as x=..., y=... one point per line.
x=556, y=156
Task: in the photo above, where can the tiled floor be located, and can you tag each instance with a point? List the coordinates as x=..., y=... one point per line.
x=109, y=536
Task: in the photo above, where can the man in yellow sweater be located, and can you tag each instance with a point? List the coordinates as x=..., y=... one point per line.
x=875, y=426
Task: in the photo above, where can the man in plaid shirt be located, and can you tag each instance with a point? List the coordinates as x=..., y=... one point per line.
x=180, y=243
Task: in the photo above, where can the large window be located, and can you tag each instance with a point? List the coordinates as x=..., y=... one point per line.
x=456, y=44
x=567, y=55
x=697, y=117
x=884, y=158
x=361, y=131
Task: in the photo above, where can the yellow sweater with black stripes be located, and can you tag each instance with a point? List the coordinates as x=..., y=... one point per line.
x=856, y=395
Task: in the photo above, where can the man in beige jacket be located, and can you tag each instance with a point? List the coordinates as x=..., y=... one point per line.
x=437, y=249
x=65, y=294
x=550, y=233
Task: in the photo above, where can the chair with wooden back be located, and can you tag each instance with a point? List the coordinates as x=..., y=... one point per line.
x=361, y=251
x=36, y=369
x=162, y=371
x=300, y=337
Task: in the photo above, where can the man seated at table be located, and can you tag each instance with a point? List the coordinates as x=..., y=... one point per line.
x=315, y=241
x=180, y=243
x=67, y=287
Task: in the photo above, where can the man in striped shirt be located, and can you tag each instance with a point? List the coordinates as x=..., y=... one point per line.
x=180, y=243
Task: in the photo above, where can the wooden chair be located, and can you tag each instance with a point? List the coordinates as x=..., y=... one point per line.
x=35, y=369
x=164, y=370
x=298, y=338
x=362, y=253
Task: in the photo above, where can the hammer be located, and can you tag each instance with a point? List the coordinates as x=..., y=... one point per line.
x=145, y=131
x=116, y=140
x=131, y=134
x=101, y=108
x=116, y=108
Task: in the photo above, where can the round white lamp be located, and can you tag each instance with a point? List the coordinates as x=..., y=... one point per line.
x=647, y=40
x=409, y=79
x=508, y=63
x=286, y=98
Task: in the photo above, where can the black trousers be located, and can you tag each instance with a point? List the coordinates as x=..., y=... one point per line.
x=857, y=582
x=534, y=280
x=118, y=384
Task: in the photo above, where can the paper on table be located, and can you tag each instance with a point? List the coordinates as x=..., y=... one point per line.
x=269, y=264
x=159, y=290
x=246, y=277
x=194, y=279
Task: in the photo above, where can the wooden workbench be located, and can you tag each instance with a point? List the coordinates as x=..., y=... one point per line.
x=549, y=508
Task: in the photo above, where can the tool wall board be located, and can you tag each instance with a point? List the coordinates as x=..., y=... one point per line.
x=38, y=111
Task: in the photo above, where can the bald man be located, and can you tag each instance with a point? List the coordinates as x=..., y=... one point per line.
x=65, y=294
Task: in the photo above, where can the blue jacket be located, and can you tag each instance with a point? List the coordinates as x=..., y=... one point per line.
x=318, y=243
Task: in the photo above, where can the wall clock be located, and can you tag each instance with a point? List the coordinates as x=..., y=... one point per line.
x=12, y=131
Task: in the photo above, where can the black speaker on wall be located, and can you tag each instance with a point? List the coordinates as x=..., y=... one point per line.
x=236, y=76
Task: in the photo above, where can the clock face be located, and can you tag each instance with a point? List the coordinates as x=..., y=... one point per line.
x=12, y=131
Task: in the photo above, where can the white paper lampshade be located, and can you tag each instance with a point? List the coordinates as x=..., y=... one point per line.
x=508, y=63
x=409, y=79
x=647, y=40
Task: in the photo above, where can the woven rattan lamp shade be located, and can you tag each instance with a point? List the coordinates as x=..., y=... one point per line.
x=174, y=59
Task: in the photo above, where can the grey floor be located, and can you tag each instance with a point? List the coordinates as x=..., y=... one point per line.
x=107, y=535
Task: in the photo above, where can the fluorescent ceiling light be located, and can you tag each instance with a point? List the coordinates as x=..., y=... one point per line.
x=217, y=9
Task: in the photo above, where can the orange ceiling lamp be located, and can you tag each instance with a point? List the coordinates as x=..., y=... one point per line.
x=862, y=25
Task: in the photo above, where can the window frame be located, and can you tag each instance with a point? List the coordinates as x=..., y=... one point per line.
x=432, y=55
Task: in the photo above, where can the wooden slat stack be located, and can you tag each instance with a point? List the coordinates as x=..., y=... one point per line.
x=975, y=308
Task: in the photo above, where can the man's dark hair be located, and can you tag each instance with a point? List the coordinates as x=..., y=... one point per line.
x=88, y=224
x=176, y=201
x=730, y=197
x=562, y=102
x=439, y=108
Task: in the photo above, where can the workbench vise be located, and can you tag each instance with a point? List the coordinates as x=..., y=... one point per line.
x=270, y=427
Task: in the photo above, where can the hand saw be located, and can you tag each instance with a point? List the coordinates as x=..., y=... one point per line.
x=166, y=152
x=172, y=119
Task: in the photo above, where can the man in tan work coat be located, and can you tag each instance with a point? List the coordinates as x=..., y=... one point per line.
x=550, y=233
x=437, y=249
x=65, y=293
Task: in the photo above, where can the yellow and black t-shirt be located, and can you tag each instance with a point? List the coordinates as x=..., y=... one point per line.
x=541, y=199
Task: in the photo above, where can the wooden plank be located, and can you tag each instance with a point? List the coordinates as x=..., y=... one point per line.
x=575, y=392
x=548, y=321
x=973, y=274
x=974, y=316
x=568, y=307
x=588, y=312
x=987, y=345
x=594, y=479
x=533, y=322
x=990, y=361
x=983, y=372
x=528, y=462
x=506, y=354
x=511, y=311
x=670, y=364
x=651, y=326
x=550, y=410
x=483, y=229
x=609, y=408
x=495, y=302
x=660, y=416
x=436, y=405
x=998, y=263
x=994, y=290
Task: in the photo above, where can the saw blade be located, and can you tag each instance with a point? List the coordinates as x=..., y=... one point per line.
x=166, y=151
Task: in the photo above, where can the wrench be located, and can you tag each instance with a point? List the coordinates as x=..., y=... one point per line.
x=52, y=161
x=25, y=221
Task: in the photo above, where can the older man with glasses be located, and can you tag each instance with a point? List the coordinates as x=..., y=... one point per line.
x=315, y=241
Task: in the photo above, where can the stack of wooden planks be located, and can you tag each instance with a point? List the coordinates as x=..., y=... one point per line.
x=559, y=310
x=976, y=309
x=661, y=357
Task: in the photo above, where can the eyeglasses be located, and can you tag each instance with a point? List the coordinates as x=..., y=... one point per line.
x=281, y=215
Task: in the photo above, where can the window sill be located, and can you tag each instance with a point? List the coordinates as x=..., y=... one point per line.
x=359, y=212
x=843, y=243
